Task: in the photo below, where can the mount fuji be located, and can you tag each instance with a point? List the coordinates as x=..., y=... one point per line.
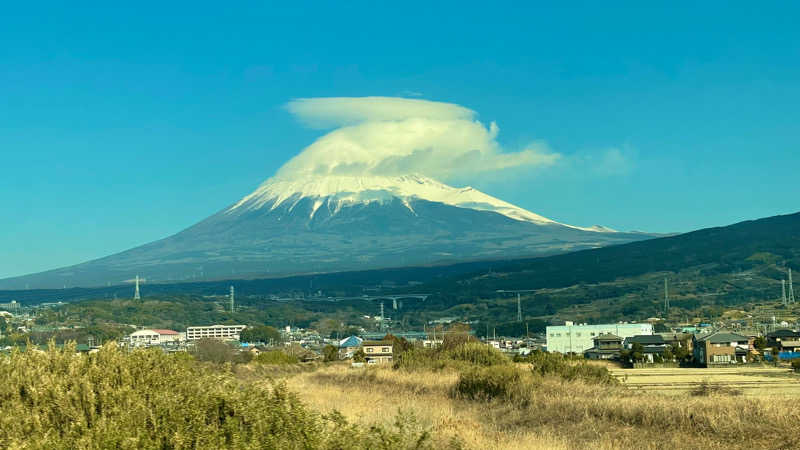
x=319, y=224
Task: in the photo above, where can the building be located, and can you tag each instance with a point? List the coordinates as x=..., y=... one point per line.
x=652, y=345
x=146, y=338
x=721, y=347
x=571, y=338
x=348, y=346
x=606, y=346
x=377, y=351
x=784, y=340
x=222, y=332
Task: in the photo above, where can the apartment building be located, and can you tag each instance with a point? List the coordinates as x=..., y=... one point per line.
x=222, y=332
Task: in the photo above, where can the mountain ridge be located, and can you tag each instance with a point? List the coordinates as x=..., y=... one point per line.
x=334, y=224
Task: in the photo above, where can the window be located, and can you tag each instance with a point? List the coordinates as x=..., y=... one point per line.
x=558, y=334
x=552, y=334
x=577, y=335
x=369, y=349
x=385, y=350
x=592, y=333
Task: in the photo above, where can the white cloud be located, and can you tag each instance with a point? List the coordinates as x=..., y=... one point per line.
x=396, y=136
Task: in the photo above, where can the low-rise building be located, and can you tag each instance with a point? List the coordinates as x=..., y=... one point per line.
x=652, y=345
x=606, y=346
x=721, y=348
x=377, y=351
x=570, y=338
x=784, y=340
x=221, y=332
x=146, y=338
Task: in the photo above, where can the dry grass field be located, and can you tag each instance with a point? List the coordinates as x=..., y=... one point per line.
x=750, y=381
x=641, y=413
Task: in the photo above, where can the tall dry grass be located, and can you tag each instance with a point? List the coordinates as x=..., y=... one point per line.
x=527, y=410
x=147, y=399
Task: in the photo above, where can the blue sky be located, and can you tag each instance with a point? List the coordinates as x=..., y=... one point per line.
x=122, y=125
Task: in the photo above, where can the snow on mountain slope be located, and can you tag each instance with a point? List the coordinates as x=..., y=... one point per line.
x=339, y=191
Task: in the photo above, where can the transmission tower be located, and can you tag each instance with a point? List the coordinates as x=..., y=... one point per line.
x=783, y=292
x=231, y=297
x=791, y=288
x=381, y=315
x=136, y=295
x=666, y=296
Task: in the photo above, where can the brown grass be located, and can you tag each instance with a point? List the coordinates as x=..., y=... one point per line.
x=557, y=414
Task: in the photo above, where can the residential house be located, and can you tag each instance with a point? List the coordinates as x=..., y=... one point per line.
x=606, y=346
x=784, y=340
x=721, y=347
x=377, y=352
x=348, y=346
x=652, y=345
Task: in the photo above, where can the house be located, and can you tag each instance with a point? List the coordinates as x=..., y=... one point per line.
x=678, y=340
x=721, y=347
x=146, y=338
x=348, y=346
x=606, y=346
x=377, y=351
x=652, y=345
x=571, y=338
x=784, y=340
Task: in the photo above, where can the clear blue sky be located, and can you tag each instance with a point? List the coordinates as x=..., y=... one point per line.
x=122, y=125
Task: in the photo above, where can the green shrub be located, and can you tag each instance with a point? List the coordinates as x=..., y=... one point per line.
x=548, y=364
x=275, y=357
x=459, y=356
x=147, y=399
x=489, y=383
x=796, y=365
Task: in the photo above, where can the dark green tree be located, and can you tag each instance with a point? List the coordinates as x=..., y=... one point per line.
x=330, y=353
x=263, y=333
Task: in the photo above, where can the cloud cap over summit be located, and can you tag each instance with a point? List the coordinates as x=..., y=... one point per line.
x=387, y=136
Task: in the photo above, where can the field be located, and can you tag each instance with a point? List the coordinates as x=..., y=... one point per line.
x=653, y=408
x=749, y=381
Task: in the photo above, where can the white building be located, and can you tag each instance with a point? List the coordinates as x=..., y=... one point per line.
x=570, y=338
x=145, y=338
x=223, y=332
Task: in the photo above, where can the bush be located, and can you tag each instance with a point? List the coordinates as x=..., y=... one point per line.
x=547, y=364
x=489, y=383
x=218, y=352
x=796, y=365
x=147, y=399
x=460, y=356
x=275, y=357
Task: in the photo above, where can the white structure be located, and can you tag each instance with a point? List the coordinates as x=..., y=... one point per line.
x=570, y=338
x=224, y=332
x=145, y=338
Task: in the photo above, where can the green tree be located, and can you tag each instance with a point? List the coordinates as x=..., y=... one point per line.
x=637, y=352
x=760, y=343
x=359, y=356
x=331, y=353
x=263, y=333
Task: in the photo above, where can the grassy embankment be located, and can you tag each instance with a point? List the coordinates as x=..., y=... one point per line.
x=547, y=403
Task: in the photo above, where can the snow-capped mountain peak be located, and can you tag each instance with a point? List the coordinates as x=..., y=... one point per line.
x=339, y=191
